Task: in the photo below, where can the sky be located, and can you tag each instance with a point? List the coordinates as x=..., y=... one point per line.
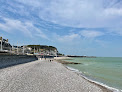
x=75, y=27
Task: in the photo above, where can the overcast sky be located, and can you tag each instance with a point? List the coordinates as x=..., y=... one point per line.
x=75, y=27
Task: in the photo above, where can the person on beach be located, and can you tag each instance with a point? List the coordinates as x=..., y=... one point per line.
x=50, y=60
x=45, y=58
x=41, y=57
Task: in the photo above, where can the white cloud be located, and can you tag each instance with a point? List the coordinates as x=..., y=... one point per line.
x=113, y=11
x=34, y=3
x=12, y=25
x=26, y=27
x=68, y=39
x=77, y=13
x=91, y=33
x=73, y=13
x=35, y=31
x=115, y=31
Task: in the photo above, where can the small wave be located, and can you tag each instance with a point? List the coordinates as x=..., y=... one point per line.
x=99, y=83
x=72, y=69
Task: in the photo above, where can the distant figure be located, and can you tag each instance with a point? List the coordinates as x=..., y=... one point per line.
x=45, y=58
x=50, y=60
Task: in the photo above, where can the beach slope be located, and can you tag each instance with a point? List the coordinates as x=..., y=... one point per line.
x=44, y=76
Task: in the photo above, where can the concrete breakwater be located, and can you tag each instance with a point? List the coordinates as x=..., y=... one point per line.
x=10, y=60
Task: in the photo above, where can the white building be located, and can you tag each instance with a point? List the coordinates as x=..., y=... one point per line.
x=4, y=45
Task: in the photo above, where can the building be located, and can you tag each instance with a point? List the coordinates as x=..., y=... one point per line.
x=27, y=50
x=16, y=49
x=5, y=45
x=21, y=50
x=43, y=50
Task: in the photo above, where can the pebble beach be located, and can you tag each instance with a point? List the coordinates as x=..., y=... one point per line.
x=44, y=76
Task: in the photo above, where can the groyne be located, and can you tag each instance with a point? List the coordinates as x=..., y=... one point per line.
x=10, y=60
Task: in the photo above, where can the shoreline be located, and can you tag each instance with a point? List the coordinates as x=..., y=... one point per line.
x=101, y=85
x=104, y=87
x=45, y=76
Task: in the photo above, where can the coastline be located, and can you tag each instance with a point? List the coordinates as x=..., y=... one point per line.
x=101, y=85
x=45, y=76
x=104, y=87
x=77, y=72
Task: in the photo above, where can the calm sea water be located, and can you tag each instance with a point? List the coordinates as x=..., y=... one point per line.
x=107, y=70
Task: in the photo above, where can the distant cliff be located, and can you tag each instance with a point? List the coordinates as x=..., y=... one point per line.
x=43, y=47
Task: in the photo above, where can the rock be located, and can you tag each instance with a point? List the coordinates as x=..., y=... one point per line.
x=66, y=62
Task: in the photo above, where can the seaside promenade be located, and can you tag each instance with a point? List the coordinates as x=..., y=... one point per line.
x=44, y=76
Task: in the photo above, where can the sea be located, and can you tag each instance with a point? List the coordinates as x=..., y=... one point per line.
x=106, y=71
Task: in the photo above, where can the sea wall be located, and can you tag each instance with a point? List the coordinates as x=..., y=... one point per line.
x=10, y=60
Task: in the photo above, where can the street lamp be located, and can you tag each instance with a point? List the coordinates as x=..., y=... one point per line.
x=1, y=43
x=23, y=49
x=17, y=48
